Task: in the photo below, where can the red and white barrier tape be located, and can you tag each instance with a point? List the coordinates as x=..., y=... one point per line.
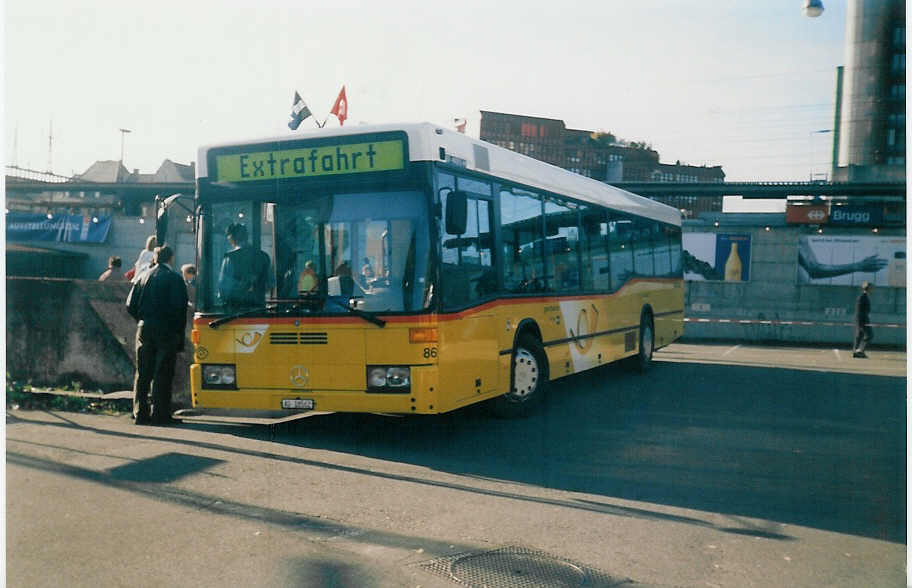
x=800, y=323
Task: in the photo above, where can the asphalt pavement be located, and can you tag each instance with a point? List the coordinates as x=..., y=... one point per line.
x=726, y=465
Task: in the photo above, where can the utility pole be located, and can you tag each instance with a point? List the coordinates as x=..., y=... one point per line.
x=51, y=147
x=123, y=132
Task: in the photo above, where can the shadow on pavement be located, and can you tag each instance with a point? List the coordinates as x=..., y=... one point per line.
x=808, y=448
x=817, y=449
x=165, y=468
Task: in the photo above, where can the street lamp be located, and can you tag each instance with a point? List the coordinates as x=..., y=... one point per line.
x=812, y=8
x=811, y=150
x=122, y=133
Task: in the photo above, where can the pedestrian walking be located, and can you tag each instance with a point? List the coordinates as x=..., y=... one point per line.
x=158, y=302
x=113, y=271
x=863, y=330
x=188, y=272
x=143, y=261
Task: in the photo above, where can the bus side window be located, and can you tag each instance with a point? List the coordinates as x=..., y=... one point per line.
x=594, y=250
x=674, y=246
x=662, y=251
x=620, y=250
x=642, y=249
x=561, y=246
x=521, y=231
x=467, y=271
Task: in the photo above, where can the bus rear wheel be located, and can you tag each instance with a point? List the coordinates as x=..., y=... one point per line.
x=643, y=359
x=528, y=380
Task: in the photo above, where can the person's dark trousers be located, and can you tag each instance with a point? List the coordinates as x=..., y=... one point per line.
x=863, y=335
x=156, y=354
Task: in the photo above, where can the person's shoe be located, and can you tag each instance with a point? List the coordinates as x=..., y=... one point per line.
x=165, y=421
x=141, y=419
x=860, y=354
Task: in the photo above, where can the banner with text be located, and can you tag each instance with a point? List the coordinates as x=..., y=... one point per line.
x=65, y=228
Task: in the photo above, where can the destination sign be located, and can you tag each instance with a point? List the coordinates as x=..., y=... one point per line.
x=324, y=160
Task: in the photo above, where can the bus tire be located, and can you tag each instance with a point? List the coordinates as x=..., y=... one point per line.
x=643, y=359
x=528, y=380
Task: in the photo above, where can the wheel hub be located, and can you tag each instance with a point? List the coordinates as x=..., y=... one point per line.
x=525, y=374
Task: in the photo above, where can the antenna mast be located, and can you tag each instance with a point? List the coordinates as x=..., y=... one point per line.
x=51, y=147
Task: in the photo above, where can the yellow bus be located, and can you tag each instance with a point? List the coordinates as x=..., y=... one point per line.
x=411, y=269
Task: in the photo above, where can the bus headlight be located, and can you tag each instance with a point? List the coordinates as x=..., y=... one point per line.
x=376, y=377
x=397, y=377
x=219, y=376
x=382, y=378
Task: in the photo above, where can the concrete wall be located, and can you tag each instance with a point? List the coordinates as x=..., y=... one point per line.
x=60, y=331
x=773, y=296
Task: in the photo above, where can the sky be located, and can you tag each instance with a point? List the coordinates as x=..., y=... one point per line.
x=745, y=84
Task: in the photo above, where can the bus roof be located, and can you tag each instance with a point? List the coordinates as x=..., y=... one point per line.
x=425, y=141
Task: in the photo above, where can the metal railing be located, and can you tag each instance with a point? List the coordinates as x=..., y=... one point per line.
x=14, y=172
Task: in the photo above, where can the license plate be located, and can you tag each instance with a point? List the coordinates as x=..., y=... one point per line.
x=298, y=403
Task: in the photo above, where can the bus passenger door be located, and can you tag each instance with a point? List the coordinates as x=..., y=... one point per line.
x=468, y=360
x=468, y=354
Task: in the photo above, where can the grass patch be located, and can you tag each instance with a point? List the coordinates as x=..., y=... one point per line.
x=25, y=396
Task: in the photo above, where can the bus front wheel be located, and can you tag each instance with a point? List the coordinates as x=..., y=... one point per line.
x=528, y=380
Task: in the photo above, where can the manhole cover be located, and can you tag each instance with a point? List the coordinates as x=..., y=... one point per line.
x=517, y=567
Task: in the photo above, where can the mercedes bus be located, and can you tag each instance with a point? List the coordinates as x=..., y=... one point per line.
x=412, y=269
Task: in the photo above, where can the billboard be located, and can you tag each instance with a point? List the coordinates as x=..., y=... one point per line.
x=717, y=256
x=846, y=260
x=66, y=228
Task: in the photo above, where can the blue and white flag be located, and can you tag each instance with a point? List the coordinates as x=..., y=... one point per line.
x=299, y=112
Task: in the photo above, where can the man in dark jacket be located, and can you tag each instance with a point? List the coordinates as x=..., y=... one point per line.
x=863, y=331
x=158, y=302
x=244, y=275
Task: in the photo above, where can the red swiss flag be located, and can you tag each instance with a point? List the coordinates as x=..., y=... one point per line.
x=340, y=108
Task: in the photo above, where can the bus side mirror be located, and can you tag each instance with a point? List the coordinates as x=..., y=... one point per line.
x=457, y=209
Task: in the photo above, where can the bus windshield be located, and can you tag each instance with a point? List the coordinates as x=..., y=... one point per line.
x=367, y=250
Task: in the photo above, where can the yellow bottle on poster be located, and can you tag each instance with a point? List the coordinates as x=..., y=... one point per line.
x=733, y=265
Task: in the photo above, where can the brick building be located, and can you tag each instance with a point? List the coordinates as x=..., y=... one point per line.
x=597, y=155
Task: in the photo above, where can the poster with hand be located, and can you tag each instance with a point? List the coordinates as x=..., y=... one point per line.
x=847, y=260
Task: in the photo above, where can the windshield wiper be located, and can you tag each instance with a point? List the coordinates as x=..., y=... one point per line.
x=368, y=316
x=322, y=298
x=221, y=321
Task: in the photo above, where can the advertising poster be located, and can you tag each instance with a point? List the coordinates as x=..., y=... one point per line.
x=66, y=228
x=717, y=256
x=848, y=260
